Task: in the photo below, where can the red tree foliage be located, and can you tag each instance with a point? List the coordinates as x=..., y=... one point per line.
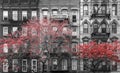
x=94, y=50
x=32, y=34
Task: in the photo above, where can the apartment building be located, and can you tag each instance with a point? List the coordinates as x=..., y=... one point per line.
x=89, y=19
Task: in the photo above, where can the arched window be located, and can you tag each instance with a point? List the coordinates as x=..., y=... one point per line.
x=64, y=64
x=103, y=28
x=54, y=64
x=85, y=28
x=114, y=28
x=85, y=9
x=95, y=28
x=74, y=64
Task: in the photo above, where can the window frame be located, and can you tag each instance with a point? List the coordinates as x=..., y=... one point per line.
x=34, y=14
x=95, y=27
x=53, y=63
x=114, y=10
x=34, y=66
x=114, y=28
x=24, y=65
x=5, y=64
x=5, y=48
x=74, y=18
x=74, y=64
x=15, y=65
x=64, y=64
x=5, y=15
x=103, y=28
x=85, y=28
x=5, y=30
x=54, y=11
x=24, y=14
x=85, y=10
x=15, y=15
x=24, y=31
x=104, y=9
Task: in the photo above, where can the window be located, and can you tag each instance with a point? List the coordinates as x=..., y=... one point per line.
x=5, y=15
x=85, y=28
x=95, y=28
x=65, y=29
x=15, y=15
x=34, y=14
x=46, y=65
x=15, y=48
x=24, y=31
x=55, y=63
x=104, y=9
x=54, y=11
x=114, y=9
x=5, y=31
x=74, y=29
x=40, y=66
x=14, y=29
x=64, y=64
x=85, y=63
x=103, y=28
x=15, y=65
x=95, y=8
x=64, y=11
x=5, y=65
x=24, y=15
x=24, y=65
x=85, y=9
x=34, y=32
x=5, y=1
x=114, y=28
x=45, y=12
x=5, y=48
x=74, y=47
x=114, y=66
x=74, y=18
x=34, y=65
x=85, y=41
x=74, y=64
x=81, y=65
x=55, y=29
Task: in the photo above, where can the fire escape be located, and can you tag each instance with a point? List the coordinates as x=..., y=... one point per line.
x=102, y=12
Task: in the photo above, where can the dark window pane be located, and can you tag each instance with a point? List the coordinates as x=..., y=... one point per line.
x=114, y=28
x=74, y=18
